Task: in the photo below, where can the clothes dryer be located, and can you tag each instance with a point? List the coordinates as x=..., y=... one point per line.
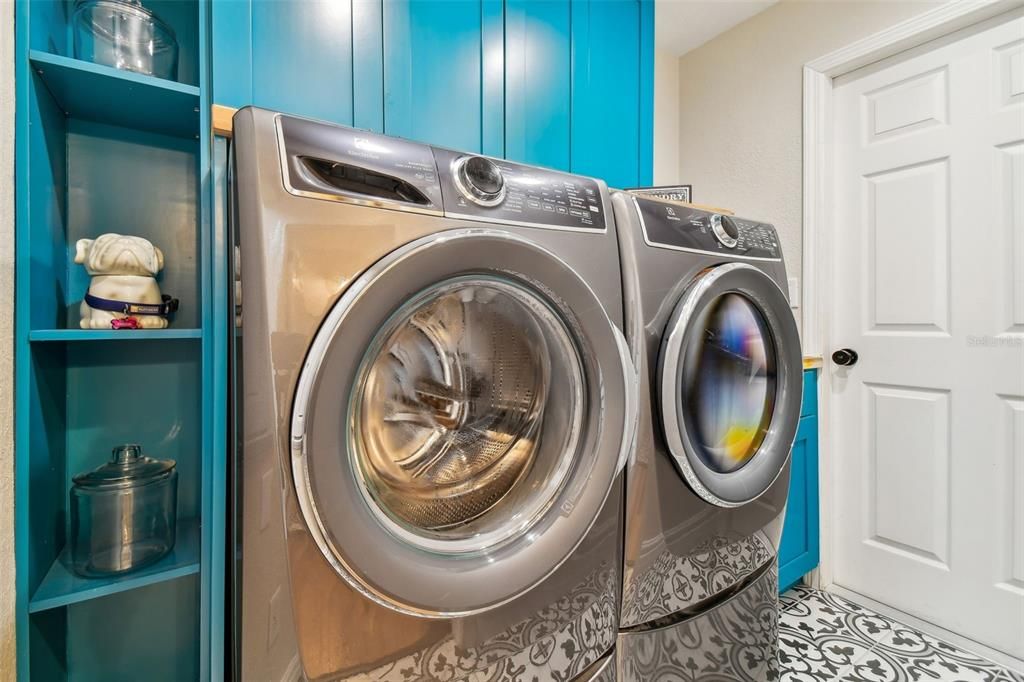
x=718, y=354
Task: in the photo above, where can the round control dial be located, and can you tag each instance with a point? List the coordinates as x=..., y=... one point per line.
x=725, y=230
x=479, y=180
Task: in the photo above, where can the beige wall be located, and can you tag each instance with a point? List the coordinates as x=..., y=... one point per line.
x=666, y=118
x=740, y=111
x=6, y=340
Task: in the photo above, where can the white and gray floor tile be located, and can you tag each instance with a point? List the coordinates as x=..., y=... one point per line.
x=823, y=637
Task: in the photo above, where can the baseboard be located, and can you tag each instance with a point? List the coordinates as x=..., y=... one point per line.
x=965, y=643
x=814, y=578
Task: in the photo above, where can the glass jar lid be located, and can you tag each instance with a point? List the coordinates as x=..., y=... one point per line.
x=127, y=468
x=133, y=7
x=126, y=9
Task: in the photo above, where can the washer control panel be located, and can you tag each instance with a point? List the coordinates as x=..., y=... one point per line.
x=498, y=190
x=479, y=179
x=676, y=226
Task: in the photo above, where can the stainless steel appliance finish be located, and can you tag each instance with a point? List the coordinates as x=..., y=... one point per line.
x=729, y=641
x=434, y=405
x=718, y=356
x=123, y=514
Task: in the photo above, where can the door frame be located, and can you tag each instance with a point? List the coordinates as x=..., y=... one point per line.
x=818, y=292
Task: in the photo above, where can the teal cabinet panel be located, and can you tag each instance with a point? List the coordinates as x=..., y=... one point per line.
x=231, y=22
x=566, y=84
x=118, y=638
x=166, y=422
x=492, y=105
x=646, y=93
x=302, y=58
x=605, y=90
x=537, y=82
x=183, y=18
x=433, y=71
x=809, y=406
x=43, y=197
x=799, y=552
x=368, y=65
x=49, y=30
x=157, y=176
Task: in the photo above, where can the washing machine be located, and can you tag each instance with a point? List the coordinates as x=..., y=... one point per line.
x=718, y=355
x=434, y=403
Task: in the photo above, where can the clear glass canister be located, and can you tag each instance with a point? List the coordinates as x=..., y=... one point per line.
x=123, y=514
x=125, y=35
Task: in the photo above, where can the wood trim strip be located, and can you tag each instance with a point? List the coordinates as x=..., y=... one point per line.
x=220, y=119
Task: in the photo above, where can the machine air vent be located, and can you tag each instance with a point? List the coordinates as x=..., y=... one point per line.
x=362, y=181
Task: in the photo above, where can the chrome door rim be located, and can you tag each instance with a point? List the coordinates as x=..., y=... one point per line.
x=744, y=485
x=404, y=589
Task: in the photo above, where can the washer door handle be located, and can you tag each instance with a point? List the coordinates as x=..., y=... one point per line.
x=631, y=418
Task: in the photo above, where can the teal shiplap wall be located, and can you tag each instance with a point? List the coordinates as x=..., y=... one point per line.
x=561, y=83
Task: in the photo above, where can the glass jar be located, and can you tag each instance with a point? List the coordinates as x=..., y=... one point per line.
x=123, y=514
x=125, y=35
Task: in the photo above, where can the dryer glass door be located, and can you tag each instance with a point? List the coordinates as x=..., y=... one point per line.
x=730, y=379
x=729, y=383
x=460, y=420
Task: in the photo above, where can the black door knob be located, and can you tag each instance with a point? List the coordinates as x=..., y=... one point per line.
x=845, y=357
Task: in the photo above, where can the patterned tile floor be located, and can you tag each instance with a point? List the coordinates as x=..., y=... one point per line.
x=825, y=637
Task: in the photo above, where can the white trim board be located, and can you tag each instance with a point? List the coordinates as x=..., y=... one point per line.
x=818, y=84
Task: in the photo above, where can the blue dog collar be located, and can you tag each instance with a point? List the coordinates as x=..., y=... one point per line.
x=168, y=306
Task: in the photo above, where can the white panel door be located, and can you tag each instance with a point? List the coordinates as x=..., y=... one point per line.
x=929, y=282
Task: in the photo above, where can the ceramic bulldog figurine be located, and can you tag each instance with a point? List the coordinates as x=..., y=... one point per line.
x=123, y=292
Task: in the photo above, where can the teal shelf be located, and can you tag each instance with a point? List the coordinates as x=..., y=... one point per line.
x=62, y=586
x=101, y=93
x=64, y=335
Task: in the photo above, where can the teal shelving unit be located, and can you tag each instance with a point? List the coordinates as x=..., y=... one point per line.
x=102, y=150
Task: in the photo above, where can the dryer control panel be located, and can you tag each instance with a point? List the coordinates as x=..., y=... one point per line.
x=493, y=189
x=675, y=226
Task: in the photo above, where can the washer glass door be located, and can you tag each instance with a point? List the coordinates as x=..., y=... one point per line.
x=461, y=418
x=731, y=380
x=468, y=409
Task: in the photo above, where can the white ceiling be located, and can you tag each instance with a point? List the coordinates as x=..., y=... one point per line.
x=682, y=25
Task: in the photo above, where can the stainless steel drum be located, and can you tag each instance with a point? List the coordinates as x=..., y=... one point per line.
x=454, y=396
